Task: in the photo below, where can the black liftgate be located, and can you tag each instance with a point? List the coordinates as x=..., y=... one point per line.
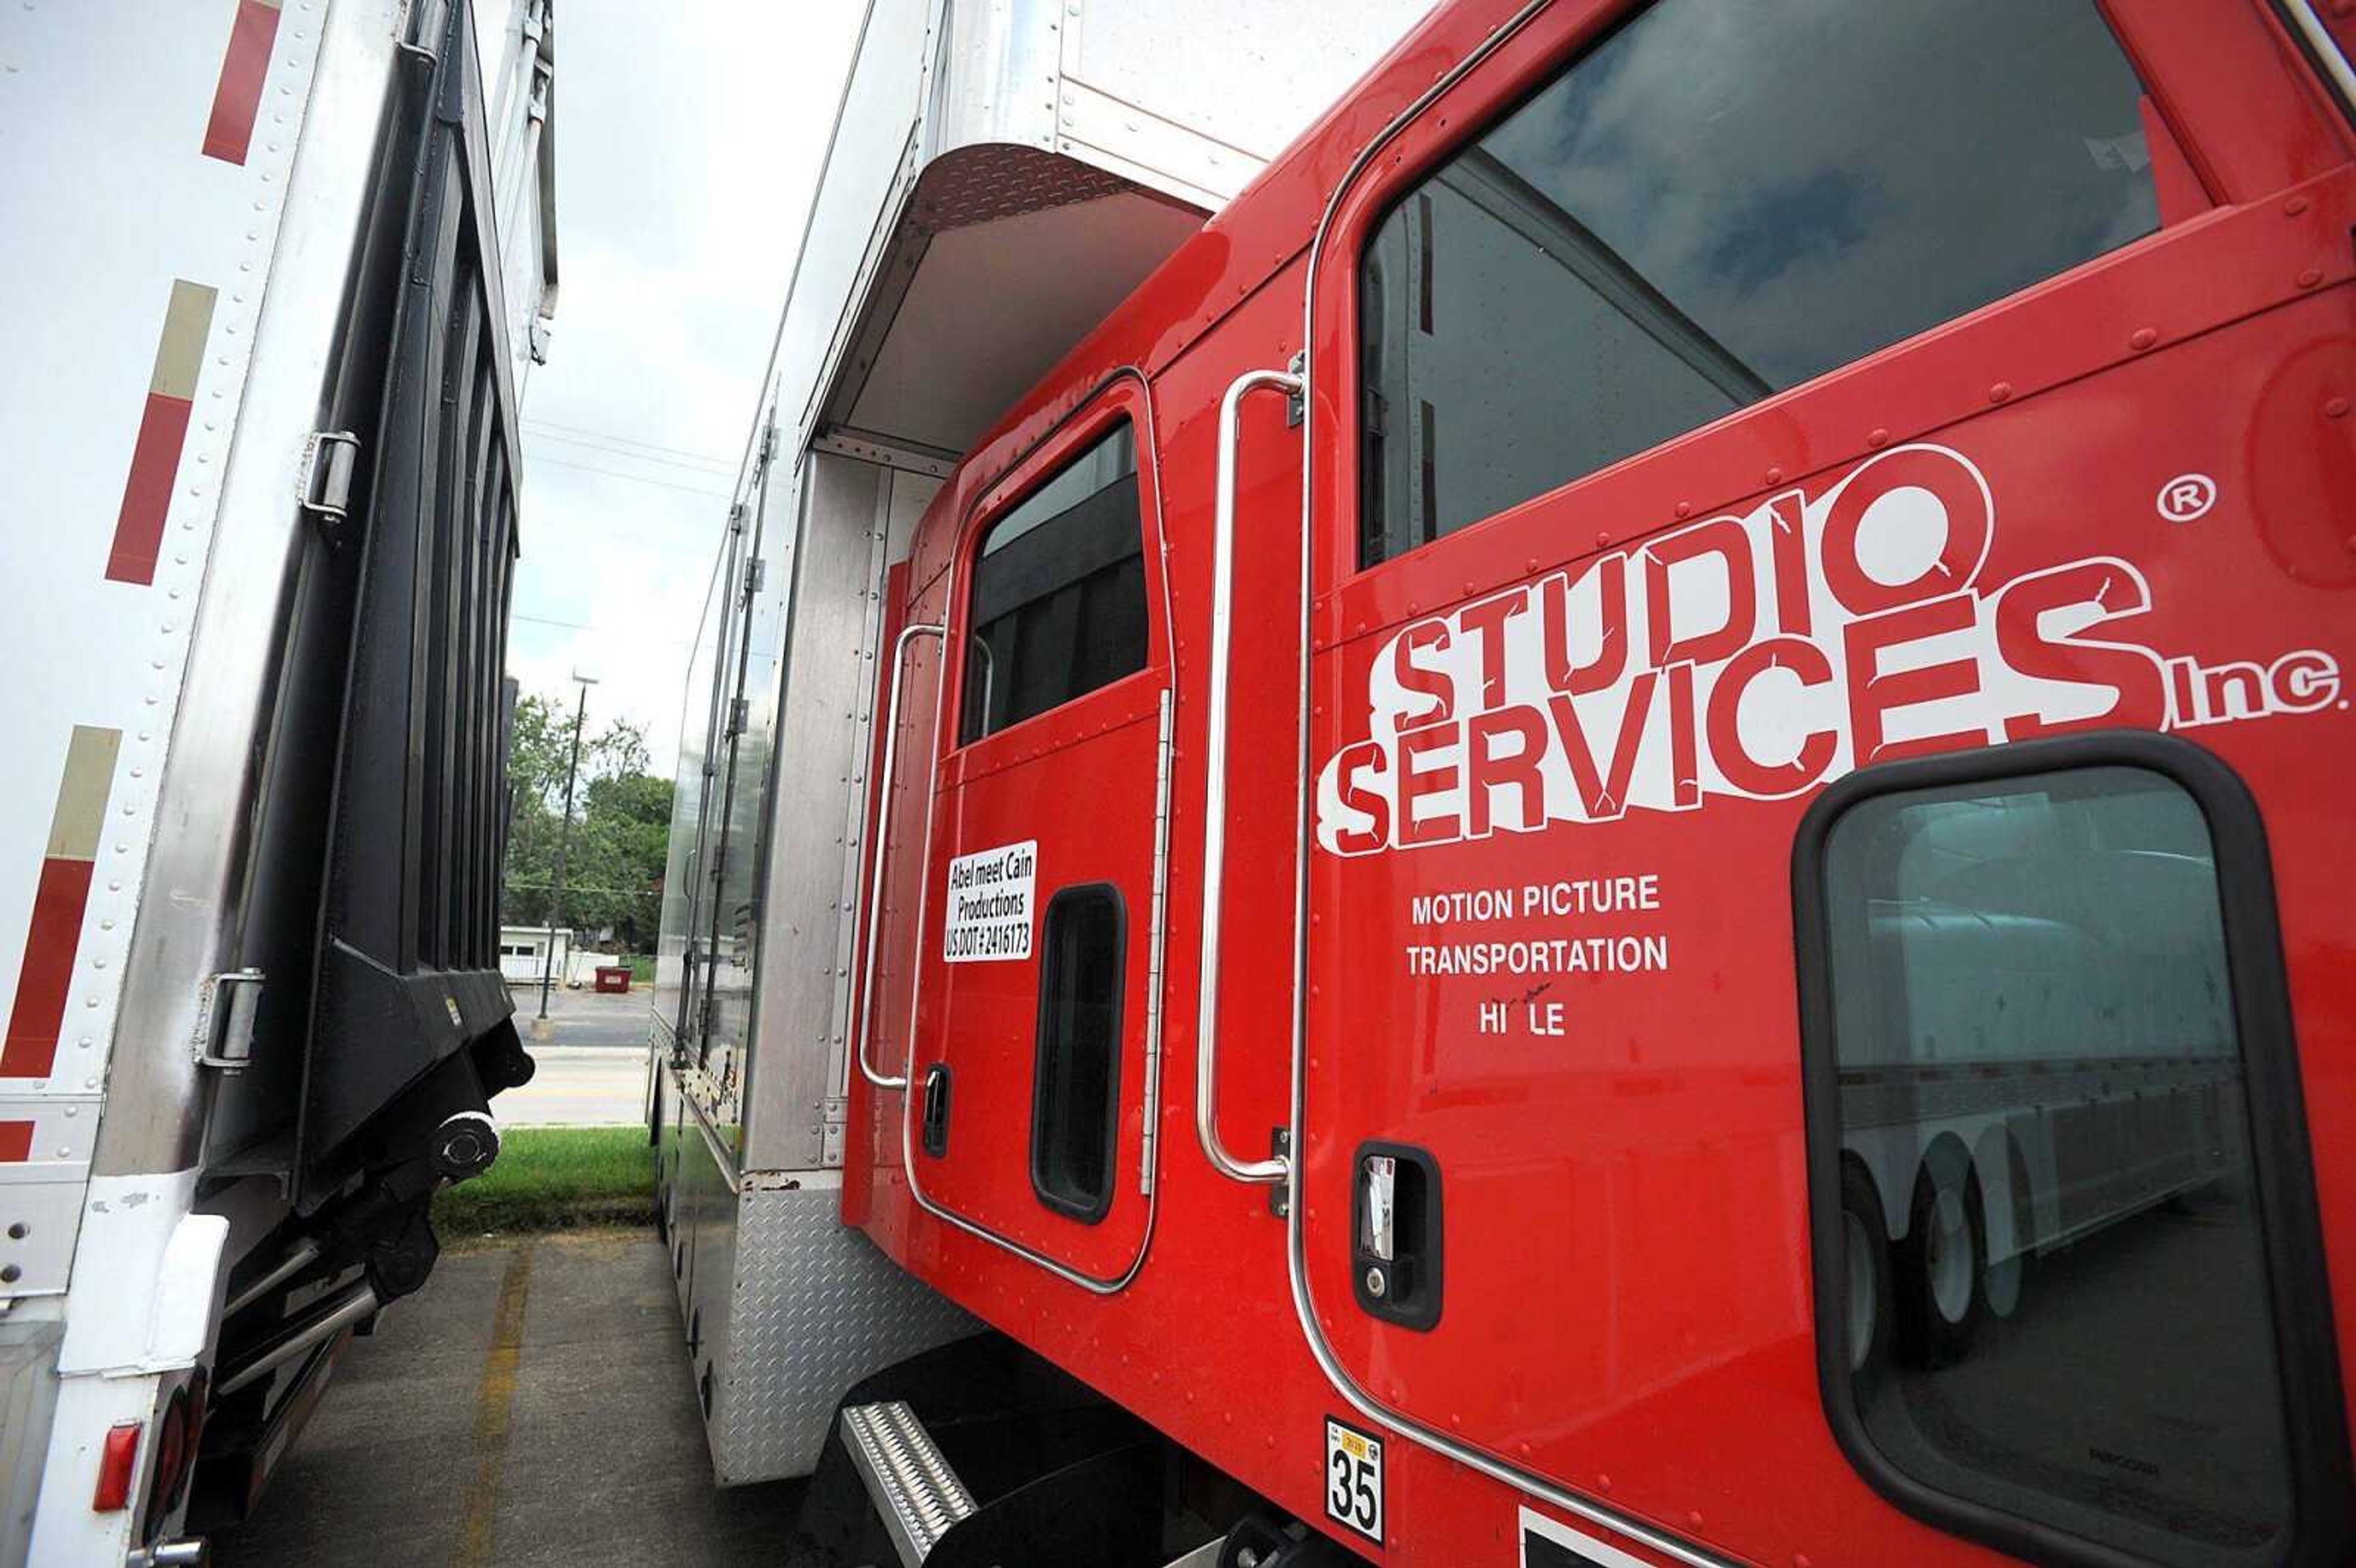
x=381, y=1025
x=375, y=866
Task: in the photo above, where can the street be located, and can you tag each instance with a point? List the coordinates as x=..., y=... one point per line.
x=583, y=1017
x=592, y=1070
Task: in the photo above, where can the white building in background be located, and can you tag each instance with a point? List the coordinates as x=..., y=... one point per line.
x=523, y=952
x=523, y=955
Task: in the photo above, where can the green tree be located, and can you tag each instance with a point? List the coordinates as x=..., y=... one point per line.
x=621, y=826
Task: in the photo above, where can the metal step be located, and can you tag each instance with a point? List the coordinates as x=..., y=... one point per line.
x=908, y=1478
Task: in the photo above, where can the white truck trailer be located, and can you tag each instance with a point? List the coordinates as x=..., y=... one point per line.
x=276, y=269
x=1002, y=174
x=1986, y=1138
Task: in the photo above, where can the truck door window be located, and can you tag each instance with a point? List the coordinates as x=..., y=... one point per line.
x=2053, y=1305
x=1074, y=1089
x=1717, y=203
x=1058, y=603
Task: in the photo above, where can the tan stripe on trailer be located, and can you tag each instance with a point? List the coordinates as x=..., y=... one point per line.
x=181, y=354
x=81, y=793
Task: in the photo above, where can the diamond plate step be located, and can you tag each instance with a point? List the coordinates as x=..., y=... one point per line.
x=908, y=1478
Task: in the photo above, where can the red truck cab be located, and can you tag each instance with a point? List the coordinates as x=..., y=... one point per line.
x=1691, y=671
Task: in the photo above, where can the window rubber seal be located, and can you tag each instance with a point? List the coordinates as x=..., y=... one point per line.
x=1091, y=1211
x=2289, y=1220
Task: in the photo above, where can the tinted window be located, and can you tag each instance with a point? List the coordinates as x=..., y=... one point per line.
x=2056, y=1300
x=1058, y=591
x=1717, y=203
x=1077, y=1069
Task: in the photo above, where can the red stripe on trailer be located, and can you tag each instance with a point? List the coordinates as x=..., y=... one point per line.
x=237, y=102
x=62, y=895
x=139, y=527
x=39, y=1012
x=15, y=1142
x=162, y=431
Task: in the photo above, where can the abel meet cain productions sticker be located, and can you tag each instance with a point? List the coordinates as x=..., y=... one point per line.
x=991, y=904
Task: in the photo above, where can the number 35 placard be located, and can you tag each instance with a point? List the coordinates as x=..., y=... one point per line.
x=1354, y=1478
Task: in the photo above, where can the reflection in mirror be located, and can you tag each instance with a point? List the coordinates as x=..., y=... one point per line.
x=2056, y=1295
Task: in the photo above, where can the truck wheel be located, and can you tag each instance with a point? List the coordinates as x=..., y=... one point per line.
x=2007, y=1281
x=1866, y=1300
x=1939, y=1266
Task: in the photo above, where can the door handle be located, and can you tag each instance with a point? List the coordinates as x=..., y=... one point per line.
x=873, y=918
x=1214, y=811
x=1395, y=1248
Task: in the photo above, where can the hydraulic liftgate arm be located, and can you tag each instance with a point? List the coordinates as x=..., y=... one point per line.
x=1215, y=807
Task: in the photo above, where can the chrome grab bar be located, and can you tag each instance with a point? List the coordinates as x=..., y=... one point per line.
x=875, y=872
x=1215, y=807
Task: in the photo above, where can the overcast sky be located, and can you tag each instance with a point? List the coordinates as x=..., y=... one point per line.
x=686, y=151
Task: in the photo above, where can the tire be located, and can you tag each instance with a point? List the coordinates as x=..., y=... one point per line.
x=2009, y=1282
x=1867, y=1301
x=1941, y=1264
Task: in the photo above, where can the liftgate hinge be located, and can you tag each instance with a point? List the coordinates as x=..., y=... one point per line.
x=225, y=1020
x=325, y=488
x=740, y=713
x=756, y=571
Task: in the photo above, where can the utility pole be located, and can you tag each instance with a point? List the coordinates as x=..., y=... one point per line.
x=564, y=849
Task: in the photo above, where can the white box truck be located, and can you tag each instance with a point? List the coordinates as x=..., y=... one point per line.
x=276, y=269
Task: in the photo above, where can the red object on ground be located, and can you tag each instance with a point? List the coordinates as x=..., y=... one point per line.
x=612, y=977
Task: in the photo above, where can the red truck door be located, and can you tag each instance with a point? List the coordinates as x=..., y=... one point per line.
x=1038, y=1019
x=1709, y=404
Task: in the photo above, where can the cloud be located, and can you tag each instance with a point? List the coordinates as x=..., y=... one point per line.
x=686, y=154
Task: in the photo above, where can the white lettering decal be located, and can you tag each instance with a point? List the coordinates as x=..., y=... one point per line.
x=1756, y=658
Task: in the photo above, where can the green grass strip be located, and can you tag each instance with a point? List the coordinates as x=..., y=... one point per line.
x=553, y=1178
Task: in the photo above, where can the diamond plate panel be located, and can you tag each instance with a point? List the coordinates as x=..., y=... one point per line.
x=956, y=192
x=816, y=1307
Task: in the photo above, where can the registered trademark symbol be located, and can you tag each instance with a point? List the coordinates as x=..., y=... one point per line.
x=2187, y=497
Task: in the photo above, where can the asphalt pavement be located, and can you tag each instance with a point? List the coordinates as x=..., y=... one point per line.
x=531, y=1406
x=592, y=1065
x=584, y=1017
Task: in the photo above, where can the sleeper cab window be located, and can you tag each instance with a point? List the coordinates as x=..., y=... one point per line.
x=1058, y=605
x=2053, y=1306
x=1717, y=203
x=1075, y=1081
